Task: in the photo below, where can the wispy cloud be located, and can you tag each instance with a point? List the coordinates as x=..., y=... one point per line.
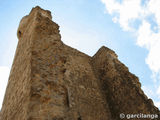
x=124, y=13
x=142, y=18
x=157, y=104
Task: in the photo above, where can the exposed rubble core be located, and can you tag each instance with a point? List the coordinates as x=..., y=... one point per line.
x=52, y=81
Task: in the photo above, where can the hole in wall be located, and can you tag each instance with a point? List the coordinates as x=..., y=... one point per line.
x=19, y=33
x=79, y=118
x=64, y=70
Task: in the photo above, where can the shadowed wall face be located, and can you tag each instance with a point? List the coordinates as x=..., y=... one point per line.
x=63, y=84
x=121, y=88
x=60, y=84
x=52, y=81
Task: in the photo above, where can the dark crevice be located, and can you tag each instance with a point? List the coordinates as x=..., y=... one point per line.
x=79, y=118
x=64, y=70
x=67, y=99
x=19, y=33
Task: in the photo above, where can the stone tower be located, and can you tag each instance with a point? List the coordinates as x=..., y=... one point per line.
x=52, y=81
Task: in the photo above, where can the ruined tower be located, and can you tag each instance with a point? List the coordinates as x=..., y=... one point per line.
x=52, y=81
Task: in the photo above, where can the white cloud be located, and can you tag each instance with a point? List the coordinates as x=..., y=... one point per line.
x=153, y=7
x=157, y=104
x=150, y=40
x=4, y=73
x=148, y=91
x=115, y=19
x=158, y=91
x=144, y=34
x=147, y=33
x=128, y=10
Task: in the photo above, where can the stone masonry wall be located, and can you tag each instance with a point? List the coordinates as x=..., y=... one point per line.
x=121, y=88
x=63, y=82
x=52, y=81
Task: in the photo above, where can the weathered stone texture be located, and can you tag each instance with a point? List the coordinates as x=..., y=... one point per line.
x=121, y=88
x=52, y=81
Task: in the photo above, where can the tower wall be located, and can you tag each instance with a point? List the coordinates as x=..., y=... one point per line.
x=52, y=81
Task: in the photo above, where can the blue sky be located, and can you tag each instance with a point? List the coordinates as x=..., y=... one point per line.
x=132, y=32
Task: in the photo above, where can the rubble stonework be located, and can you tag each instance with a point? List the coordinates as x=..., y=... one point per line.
x=52, y=81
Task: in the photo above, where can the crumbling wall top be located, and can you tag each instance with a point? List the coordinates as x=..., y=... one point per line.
x=28, y=19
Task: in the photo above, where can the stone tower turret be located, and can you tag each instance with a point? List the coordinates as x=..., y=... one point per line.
x=52, y=81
